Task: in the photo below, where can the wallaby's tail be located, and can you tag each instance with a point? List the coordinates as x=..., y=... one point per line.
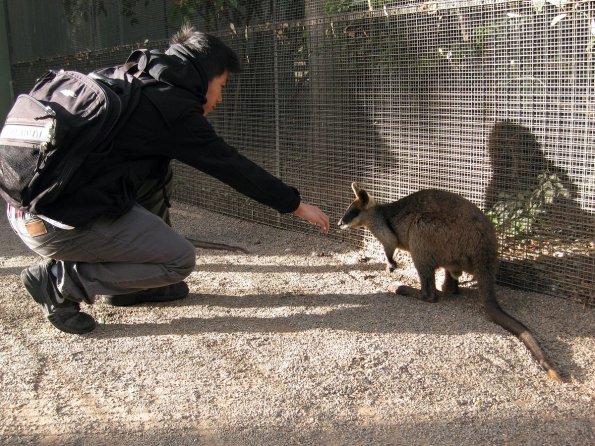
x=500, y=317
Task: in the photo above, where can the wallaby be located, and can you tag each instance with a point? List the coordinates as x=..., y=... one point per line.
x=441, y=229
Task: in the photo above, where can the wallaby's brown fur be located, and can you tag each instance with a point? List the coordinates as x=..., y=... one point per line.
x=442, y=229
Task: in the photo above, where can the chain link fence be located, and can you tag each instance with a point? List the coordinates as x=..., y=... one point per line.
x=493, y=100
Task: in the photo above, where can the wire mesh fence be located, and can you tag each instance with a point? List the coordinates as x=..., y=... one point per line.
x=489, y=99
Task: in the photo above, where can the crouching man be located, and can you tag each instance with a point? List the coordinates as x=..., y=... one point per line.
x=109, y=232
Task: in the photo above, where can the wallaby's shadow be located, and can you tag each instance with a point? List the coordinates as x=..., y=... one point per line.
x=517, y=162
x=530, y=198
x=521, y=172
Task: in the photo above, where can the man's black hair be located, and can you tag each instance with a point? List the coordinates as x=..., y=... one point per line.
x=209, y=51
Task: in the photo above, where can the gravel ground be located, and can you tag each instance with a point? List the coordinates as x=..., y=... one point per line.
x=296, y=343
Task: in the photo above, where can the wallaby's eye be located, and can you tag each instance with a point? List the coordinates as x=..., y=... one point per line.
x=352, y=213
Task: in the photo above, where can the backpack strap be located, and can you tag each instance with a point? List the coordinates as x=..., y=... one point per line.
x=137, y=62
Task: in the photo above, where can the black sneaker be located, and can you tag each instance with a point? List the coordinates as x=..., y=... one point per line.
x=162, y=294
x=64, y=314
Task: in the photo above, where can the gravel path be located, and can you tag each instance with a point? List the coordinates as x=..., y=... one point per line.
x=296, y=343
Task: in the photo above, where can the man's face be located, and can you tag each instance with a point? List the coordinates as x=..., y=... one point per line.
x=215, y=92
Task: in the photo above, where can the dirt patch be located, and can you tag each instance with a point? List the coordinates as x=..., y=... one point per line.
x=296, y=343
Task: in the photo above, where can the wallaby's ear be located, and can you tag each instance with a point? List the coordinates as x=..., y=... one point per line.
x=363, y=197
x=360, y=194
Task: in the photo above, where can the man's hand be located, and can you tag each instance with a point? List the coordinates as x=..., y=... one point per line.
x=313, y=215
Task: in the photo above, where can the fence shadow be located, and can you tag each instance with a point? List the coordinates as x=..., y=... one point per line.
x=370, y=313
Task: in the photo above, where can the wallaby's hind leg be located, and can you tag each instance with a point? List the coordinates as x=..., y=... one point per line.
x=427, y=279
x=451, y=282
x=428, y=287
x=449, y=286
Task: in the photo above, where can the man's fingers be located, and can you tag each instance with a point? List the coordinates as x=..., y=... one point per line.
x=324, y=223
x=313, y=215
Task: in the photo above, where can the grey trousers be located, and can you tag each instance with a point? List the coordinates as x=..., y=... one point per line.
x=136, y=251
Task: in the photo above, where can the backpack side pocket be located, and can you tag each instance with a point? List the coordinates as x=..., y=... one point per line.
x=25, y=140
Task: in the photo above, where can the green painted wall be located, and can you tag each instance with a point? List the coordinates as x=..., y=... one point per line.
x=6, y=96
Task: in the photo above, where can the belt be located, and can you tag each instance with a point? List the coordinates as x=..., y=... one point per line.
x=17, y=214
x=33, y=225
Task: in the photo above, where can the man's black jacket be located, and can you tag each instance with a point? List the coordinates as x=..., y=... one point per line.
x=168, y=123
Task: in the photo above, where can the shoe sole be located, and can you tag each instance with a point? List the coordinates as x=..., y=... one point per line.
x=72, y=331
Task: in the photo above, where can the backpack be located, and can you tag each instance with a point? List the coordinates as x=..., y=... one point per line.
x=50, y=131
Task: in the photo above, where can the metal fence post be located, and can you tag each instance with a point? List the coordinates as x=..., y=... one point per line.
x=6, y=90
